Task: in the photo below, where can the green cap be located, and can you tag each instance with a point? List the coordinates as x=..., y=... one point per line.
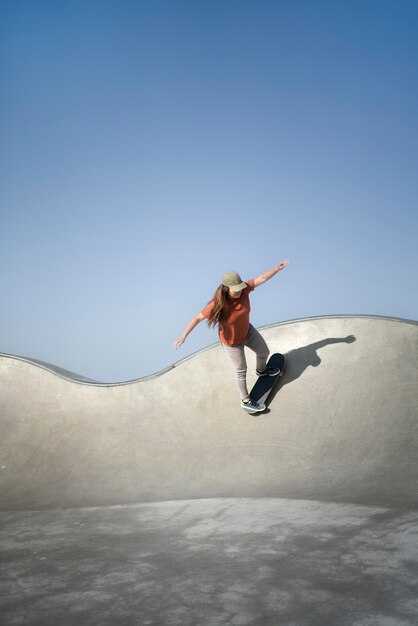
x=233, y=281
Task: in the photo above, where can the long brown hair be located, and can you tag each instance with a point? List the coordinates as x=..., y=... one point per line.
x=221, y=306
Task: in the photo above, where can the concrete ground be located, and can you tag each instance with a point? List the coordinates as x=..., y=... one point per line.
x=211, y=562
x=117, y=509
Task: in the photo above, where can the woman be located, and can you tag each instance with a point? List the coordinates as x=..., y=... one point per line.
x=229, y=309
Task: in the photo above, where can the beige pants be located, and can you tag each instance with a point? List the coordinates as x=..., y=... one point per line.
x=256, y=343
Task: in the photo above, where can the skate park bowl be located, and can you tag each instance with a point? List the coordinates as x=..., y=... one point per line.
x=160, y=501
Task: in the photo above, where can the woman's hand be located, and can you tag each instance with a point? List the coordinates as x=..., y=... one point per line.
x=192, y=324
x=270, y=273
x=179, y=342
x=282, y=265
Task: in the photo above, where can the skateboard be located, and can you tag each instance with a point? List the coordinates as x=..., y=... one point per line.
x=264, y=385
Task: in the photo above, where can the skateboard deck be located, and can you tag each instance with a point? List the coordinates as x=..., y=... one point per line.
x=264, y=385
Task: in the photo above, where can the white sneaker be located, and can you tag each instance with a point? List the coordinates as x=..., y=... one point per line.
x=269, y=371
x=252, y=406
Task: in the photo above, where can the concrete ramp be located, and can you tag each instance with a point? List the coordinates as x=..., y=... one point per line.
x=305, y=515
x=342, y=426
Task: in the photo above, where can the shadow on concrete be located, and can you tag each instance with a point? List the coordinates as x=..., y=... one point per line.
x=298, y=361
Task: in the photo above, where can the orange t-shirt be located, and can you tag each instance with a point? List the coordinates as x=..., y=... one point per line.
x=235, y=328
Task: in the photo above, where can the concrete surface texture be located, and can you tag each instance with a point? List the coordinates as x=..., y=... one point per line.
x=303, y=515
x=211, y=562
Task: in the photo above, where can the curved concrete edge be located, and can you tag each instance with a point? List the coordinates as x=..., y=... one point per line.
x=83, y=380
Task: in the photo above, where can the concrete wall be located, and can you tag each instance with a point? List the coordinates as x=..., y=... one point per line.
x=343, y=426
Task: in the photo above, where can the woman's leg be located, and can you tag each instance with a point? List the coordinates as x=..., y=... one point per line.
x=237, y=356
x=256, y=343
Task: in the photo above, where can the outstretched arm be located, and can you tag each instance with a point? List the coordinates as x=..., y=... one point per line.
x=192, y=324
x=269, y=273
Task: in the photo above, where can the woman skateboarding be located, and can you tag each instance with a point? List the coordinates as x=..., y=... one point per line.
x=229, y=309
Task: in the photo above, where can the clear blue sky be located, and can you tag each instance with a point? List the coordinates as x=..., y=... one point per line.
x=149, y=146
